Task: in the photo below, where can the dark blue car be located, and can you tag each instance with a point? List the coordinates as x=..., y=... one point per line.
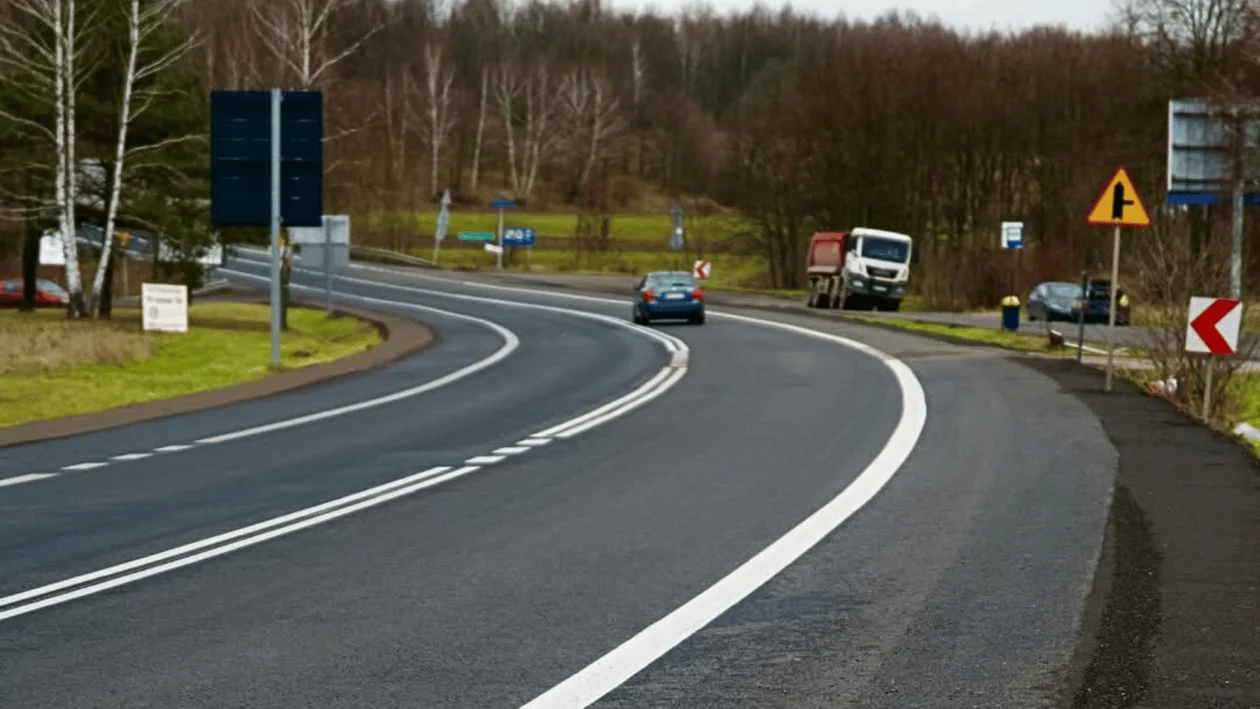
x=665, y=295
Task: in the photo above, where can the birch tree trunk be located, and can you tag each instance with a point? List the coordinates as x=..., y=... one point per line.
x=481, y=126
x=74, y=276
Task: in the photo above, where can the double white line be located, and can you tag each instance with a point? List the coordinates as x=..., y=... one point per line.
x=227, y=542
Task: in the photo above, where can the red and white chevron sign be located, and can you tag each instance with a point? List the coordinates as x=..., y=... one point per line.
x=1213, y=326
x=702, y=269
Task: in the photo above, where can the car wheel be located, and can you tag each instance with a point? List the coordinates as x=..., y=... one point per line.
x=696, y=319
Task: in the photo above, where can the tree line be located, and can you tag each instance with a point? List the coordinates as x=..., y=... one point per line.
x=800, y=123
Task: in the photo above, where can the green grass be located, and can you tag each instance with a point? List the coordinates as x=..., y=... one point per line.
x=74, y=368
x=624, y=227
x=729, y=270
x=983, y=336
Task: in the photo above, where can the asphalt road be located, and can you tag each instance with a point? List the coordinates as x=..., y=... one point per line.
x=961, y=583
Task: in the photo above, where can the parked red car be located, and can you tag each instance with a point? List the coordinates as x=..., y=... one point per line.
x=47, y=294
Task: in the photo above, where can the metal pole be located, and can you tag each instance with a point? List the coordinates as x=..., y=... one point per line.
x=1111, y=310
x=328, y=266
x=276, y=97
x=500, y=254
x=1235, y=261
x=436, y=244
x=1080, y=316
x=1207, y=391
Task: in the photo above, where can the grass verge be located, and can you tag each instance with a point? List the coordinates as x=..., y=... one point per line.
x=51, y=368
x=623, y=227
x=1017, y=341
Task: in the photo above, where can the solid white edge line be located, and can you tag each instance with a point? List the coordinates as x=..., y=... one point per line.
x=217, y=539
x=234, y=546
x=672, y=344
x=511, y=343
x=631, y=657
x=29, y=477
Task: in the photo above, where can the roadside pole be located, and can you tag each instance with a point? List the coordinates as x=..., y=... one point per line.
x=1111, y=309
x=276, y=98
x=500, y=254
x=1080, y=316
x=1207, y=390
x=328, y=256
x=1118, y=205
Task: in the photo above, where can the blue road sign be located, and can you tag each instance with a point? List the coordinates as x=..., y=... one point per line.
x=1012, y=235
x=240, y=158
x=518, y=236
x=502, y=204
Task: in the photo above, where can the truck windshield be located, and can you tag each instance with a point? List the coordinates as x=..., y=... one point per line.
x=885, y=249
x=826, y=253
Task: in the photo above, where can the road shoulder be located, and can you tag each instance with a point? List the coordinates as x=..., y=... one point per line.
x=1174, y=615
x=400, y=336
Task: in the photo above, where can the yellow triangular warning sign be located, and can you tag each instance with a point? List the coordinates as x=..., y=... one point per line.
x=1119, y=204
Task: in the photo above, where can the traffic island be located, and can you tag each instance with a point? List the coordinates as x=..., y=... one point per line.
x=63, y=378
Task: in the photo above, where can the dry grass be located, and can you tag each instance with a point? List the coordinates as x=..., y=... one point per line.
x=45, y=340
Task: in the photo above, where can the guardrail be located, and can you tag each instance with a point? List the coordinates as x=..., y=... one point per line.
x=370, y=253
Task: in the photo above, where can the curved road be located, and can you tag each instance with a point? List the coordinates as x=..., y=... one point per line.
x=516, y=556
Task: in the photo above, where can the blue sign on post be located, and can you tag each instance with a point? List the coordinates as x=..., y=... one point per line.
x=240, y=158
x=518, y=236
x=1012, y=235
x=502, y=204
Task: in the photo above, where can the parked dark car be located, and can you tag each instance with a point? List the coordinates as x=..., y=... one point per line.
x=1053, y=300
x=668, y=294
x=1063, y=300
x=47, y=294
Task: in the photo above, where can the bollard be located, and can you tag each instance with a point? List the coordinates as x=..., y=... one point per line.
x=1010, y=313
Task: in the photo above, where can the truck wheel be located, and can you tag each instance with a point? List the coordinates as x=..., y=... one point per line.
x=894, y=306
x=822, y=300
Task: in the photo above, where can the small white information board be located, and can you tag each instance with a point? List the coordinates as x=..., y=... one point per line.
x=165, y=307
x=52, y=250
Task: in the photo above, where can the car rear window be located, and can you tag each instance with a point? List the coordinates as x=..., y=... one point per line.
x=672, y=280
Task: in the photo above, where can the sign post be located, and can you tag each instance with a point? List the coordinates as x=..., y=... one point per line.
x=1212, y=329
x=263, y=175
x=1013, y=240
x=326, y=248
x=1118, y=205
x=676, y=238
x=501, y=204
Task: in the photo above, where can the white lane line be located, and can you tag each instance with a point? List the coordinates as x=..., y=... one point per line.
x=430, y=479
x=646, y=387
x=511, y=450
x=534, y=442
x=84, y=466
x=484, y=459
x=30, y=477
x=631, y=657
x=172, y=448
x=663, y=387
x=132, y=456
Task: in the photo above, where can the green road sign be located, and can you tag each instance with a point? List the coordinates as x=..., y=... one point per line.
x=476, y=236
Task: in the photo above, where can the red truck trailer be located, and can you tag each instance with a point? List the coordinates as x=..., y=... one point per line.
x=858, y=269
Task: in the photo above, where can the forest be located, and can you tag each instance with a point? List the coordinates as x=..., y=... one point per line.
x=765, y=126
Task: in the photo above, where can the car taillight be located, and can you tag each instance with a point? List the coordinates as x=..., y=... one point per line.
x=649, y=295
x=698, y=294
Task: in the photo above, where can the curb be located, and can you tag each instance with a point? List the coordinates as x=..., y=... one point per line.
x=402, y=337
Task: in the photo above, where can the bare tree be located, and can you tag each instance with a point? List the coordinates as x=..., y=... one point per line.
x=483, y=94
x=296, y=32
x=437, y=84
x=43, y=48
x=594, y=118
x=137, y=97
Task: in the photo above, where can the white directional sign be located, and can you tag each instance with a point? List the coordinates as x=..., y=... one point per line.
x=52, y=250
x=165, y=307
x=1012, y=235
x=1213, y=325
x=494, y=248
x=702, y=270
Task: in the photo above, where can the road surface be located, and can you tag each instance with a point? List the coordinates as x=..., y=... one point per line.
x=958, y=504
